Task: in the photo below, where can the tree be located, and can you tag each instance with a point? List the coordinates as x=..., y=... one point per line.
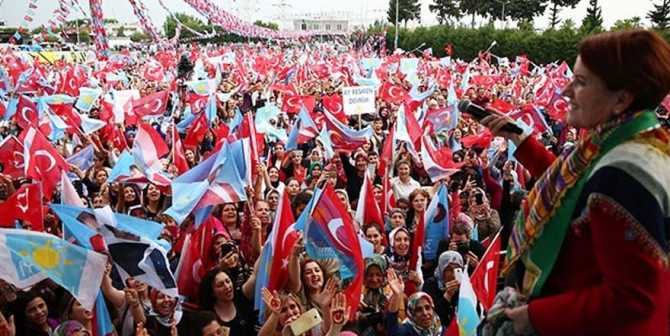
x=121, y=32
x=626, y=24
x=593, y=22
x=139, y=36
x=191, y=22
x=444, y=10
x=407, y=11
x=660, y=15
x=555, y=8
x=473, y=8
x=523, y=9
x=268, y=25
x=110, y=21
x=568, y=25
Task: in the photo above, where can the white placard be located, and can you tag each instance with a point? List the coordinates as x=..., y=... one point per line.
x=358, y=100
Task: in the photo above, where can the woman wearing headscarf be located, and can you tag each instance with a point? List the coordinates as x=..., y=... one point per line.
x=600, y=208
x=71, y=328
x=421, y=317
x=375, y=296
x=443, y=286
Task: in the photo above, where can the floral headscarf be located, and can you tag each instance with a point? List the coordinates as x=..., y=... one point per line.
x=435, y=328
x=68, y=328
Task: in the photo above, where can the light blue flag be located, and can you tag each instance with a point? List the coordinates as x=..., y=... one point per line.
x=262, y=279
x=235, y=121
x=409, y=65
x=466, y=312
x=90, y=125
x=306, y=214
x=292, y=142
x=58, y=127
x=362, y=81
x=83, y=159
x=57, y=99
x=369, y=64
x=188, y=119
x=466, y=79
x=87, y=97
x=11, y=108
x=28, y=257
x=123, y=166
x=445, y=61
x=436, y=219
x=324, y=137
x=185, y=197
x=210, y=109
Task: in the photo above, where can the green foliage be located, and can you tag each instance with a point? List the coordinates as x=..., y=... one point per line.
x=593, y=21
x=555, y=8
x=194, y=23
x=660, y=15
x=407, y=10
x=139, y=36
x=110, y=21
x=121, y=32
x=268, y=25
x=544, y=47
x=445, y=10
x=626, y=24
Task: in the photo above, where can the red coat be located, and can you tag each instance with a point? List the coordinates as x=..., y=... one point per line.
x=612, y=275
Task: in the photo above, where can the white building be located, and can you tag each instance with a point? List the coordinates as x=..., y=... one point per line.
x=327, y=25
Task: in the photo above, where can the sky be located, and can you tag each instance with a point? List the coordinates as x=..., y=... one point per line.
x=12, y=11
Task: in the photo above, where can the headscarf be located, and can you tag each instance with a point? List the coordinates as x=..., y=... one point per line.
x=435, y=328
x=166, y=321
x=374, y=297
x=376, y=260
x=446, y=258
x=68, y=328
x=392, y=236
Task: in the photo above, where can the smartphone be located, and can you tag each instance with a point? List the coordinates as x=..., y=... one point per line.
x=306, y=322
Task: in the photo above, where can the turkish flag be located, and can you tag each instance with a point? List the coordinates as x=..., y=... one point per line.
x=485, y=276
x=42, y=161
x=481, y=140
x=282, y=245
x=196, y=132
x=153, y=71
x=335, y=106
x=178, y=157
x=26, y=112
x=11, y=156
x=198, y=257
x=25, y=204
x=151, y=105
x=392, y=93
x=416, y=250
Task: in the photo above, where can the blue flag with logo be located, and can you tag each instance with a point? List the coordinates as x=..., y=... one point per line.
x=28, y=257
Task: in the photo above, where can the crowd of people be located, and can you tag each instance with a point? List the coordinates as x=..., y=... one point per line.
x=251, y=93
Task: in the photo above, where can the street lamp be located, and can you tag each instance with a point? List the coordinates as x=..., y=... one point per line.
x=395, y=40
x=503, y=11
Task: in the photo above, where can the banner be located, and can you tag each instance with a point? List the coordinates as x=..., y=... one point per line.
x=358, y=100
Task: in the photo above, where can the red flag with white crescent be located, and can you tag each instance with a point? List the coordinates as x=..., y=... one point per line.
x=25, y=204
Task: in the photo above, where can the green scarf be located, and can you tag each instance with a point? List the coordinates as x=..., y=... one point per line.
x=541, y=226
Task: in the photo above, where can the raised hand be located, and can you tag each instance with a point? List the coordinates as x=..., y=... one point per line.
x=395, y=282
x=271, y=300
x=339, y=310
x=7, y=326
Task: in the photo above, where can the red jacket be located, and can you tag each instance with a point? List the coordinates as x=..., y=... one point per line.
x=611, y=276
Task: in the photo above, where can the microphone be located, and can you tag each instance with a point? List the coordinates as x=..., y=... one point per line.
x=478, y=112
